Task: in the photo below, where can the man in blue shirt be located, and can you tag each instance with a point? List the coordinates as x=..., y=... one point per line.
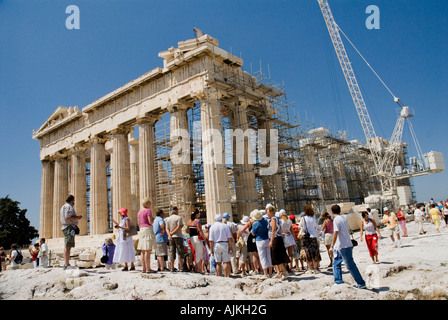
x=261, y=233
x=161, y=240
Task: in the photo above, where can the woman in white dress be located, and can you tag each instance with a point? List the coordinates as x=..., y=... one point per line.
x=124, y=251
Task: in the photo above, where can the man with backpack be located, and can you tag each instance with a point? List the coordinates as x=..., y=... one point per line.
x=15, y=257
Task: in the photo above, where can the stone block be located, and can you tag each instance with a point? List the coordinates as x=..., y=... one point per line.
x=84, y=264
x=87, y=256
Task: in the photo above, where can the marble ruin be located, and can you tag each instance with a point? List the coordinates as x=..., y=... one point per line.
x=119, y=149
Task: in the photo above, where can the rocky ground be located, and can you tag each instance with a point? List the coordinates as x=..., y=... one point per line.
x=416, y=271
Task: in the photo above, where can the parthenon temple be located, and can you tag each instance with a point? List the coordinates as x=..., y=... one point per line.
x=151, y=139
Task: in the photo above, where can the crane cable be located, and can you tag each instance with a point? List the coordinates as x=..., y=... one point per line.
x=376, y=74
x=414, y=137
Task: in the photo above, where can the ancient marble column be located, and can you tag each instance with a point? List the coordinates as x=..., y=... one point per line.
x=272, y=184
x=183, y=186
x=46, y=200
x=99, y=222
x=78, y=185
x=60, y=192
x=146, y=153
x=217, y=197
x=121, y=182
x=135, y=191
x=244, y=174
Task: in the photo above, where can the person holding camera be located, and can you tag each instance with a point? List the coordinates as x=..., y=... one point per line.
x=124, y=251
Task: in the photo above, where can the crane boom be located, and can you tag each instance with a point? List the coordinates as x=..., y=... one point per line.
x=382, y=164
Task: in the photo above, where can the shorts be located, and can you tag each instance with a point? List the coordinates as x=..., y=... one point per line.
x=395, y=230
x=176, y=244
x=221, y=252
x=161, y=249
x=69, y=240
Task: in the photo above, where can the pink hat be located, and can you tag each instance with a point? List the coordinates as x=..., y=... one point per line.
x=123, y=211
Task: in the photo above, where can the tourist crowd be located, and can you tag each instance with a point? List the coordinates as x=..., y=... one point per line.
x=267, y=242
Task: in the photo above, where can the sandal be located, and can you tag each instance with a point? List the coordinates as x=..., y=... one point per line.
x=125, y=269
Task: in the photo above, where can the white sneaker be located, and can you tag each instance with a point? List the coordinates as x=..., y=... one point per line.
x=359, y=286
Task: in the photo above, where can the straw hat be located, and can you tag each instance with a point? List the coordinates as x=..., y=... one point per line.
x=256, y=215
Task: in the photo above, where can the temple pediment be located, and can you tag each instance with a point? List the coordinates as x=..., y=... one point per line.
x=188, y=49
x=60, y=116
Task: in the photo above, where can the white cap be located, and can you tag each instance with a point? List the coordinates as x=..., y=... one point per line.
x=218, y=217
x=282, y=210
x=386, y=209
x=245, y=219
x=263, y=211
x=268, y=205
x=277, y=214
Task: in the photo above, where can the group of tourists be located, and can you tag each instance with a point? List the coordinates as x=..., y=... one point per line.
x=433, y=212
x=268, y=242
x=39, y=255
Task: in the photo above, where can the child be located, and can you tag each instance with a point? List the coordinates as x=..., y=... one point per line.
x=109, y=250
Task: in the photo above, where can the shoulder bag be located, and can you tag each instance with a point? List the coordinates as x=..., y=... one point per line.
x=303, y=233
x=132, y=230
x=104, y=258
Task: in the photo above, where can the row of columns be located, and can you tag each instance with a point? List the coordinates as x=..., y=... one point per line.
x=55, y=186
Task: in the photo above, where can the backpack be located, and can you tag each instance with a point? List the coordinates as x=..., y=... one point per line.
x=19, y=258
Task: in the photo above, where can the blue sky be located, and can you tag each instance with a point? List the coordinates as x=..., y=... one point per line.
x=44, y=65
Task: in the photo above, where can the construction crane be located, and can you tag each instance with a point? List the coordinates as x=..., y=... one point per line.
x=385, y=158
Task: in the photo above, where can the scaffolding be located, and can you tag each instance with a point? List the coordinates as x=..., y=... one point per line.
x=315, y=166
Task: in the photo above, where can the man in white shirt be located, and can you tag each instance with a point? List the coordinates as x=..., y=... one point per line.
x=233, y=230
x=342, y=250
x=43, y=254
x=69, y=220
x=418, y=218
x=221, y=239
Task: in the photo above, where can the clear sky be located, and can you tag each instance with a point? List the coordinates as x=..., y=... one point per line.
x=44, y=65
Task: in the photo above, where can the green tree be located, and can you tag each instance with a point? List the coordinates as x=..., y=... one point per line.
x=14, y=226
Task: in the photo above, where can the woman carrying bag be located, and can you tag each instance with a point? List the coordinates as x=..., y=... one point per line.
x=197, y=240
x=124, y=252
x=310, y=244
